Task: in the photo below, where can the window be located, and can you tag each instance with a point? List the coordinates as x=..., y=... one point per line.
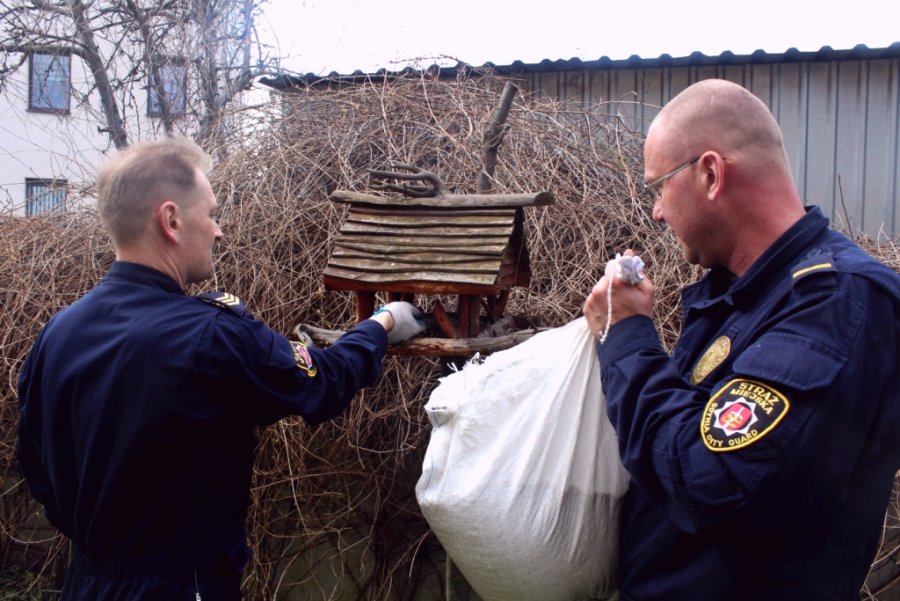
x=44, y=196
x=49, y=83
x=173, y=80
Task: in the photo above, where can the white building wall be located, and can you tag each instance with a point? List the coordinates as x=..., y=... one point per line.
x=46, y=145
x=70, y=146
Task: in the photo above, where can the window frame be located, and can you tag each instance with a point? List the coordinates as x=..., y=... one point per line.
x=177, y=102
x=66, y=84
x=52, y=187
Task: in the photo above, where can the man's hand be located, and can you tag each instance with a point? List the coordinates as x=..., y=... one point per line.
x=402, y=320
x=627, y=299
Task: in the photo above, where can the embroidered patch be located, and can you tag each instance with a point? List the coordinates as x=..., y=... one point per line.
x=711, y=358
x=742, y=412
x=303, y=358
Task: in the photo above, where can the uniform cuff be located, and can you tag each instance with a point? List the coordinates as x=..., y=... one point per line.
x=375, y=330
x=628, y=336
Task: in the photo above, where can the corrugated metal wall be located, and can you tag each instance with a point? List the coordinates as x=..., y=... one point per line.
x=841, y=122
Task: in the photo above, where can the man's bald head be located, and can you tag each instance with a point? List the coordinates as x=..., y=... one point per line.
x=715, y=114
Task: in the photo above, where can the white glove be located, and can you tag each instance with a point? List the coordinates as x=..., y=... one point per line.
x=407, y=320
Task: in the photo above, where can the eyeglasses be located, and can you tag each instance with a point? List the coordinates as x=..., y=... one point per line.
x=651, y=189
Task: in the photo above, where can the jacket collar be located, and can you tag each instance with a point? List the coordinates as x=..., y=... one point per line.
x=719, y=285
x=141, y=274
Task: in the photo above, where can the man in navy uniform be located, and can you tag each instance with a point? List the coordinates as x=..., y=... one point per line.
x=138, y=403
x=763, y=451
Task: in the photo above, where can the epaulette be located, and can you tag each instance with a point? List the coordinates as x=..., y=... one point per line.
x=816, y=262
x=224, y=300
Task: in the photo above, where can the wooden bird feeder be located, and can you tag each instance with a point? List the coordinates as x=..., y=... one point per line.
x=432, y=242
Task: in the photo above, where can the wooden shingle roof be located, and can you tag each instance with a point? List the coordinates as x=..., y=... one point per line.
x=452, y=244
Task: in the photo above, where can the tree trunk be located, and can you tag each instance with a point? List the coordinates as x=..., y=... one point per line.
x=115, y=127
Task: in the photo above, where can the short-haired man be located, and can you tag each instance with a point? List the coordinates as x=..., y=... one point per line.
x=763, y=451
x=138, y=403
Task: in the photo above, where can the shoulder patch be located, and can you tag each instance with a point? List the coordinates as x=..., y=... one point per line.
x=815, y=262
x=303, y=358
x=223, y=300
x=740, y=413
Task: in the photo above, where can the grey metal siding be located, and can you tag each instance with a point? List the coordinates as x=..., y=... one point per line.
x=840, y=118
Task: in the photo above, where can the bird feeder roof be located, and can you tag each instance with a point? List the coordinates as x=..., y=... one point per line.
x=454, y=244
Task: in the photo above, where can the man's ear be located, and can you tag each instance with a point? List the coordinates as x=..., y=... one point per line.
x=713, y=166
x=168, y=218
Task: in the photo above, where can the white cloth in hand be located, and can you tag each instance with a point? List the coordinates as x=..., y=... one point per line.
x=629, y=269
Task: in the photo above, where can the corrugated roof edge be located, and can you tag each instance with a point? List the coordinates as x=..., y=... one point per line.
x=695, y=59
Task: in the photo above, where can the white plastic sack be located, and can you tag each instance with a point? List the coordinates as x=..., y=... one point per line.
x=522, y=480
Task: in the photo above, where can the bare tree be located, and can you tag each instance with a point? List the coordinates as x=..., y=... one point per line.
x=185, y=60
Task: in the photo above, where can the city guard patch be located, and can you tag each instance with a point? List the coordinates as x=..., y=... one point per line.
x=742, y=412
x=303, y=358
x=711, y=358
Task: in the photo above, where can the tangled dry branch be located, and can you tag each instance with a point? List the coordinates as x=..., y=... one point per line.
x=333, y=508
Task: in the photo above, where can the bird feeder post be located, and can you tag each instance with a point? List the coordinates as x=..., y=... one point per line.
x=365, y=305
x=469, y=310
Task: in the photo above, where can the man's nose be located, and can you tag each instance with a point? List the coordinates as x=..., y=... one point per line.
x=657, y=212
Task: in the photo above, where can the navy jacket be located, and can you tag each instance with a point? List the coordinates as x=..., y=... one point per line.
x=762, y=453
x=137, y=412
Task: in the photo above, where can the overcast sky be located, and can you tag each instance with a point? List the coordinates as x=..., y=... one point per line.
x=320, y=36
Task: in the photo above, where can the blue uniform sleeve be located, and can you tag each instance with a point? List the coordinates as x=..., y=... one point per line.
x=267, y=377
x=30, y=438
x=782, y=431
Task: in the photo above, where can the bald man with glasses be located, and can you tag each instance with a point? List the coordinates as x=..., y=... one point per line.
x=763, y=450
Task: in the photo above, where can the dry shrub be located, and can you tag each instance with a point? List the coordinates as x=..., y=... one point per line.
x=333, y=507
